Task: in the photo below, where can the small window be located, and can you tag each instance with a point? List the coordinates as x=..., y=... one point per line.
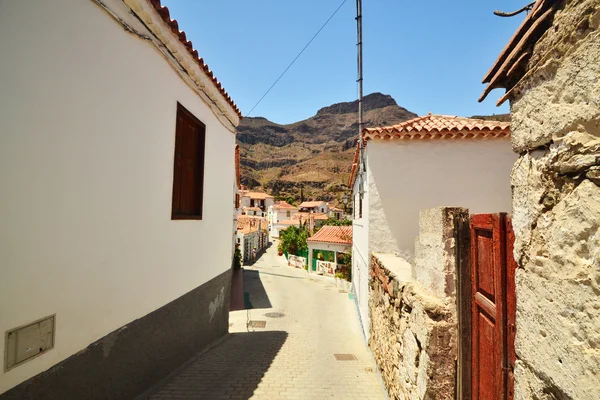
x=188, y=174
x=360, y=198
x=289, y=214
x=237, y=201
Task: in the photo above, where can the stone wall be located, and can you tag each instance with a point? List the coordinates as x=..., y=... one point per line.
x=414, y=315
x=556, y=209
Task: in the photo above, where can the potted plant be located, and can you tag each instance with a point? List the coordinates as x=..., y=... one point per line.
x=280, y=249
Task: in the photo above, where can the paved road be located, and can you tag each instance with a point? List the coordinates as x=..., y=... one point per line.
x=307, y=321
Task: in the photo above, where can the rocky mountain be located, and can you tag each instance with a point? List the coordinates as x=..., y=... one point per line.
x=310, y=158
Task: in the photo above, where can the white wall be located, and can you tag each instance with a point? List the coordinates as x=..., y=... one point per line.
x=87, y=122
x=406, y=177
x=360, y=255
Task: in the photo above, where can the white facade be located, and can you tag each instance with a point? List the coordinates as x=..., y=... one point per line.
x=257, y=199
x=277, y=227
x=404, y=177
x=320, y=207
x=87, y=122
x=277, y=214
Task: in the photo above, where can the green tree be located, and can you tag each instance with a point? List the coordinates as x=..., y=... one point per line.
x=337, y=222
x=293, y=239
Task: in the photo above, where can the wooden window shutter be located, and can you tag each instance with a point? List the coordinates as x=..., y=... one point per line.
x=188, y=170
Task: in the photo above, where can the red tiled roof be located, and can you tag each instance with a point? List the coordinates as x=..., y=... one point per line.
x=288, y=222
x=355, y=163
x=310, y=204
x=440, y=127
x=333, y=234
x=284, y=204
x=255, y=195
x=512, y=61
x=434, y=127
x=164, y=14
x=305, y=215
x=249, y=223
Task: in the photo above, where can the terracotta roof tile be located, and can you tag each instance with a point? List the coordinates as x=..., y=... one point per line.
x=249, y=224
x=284, y=205
x=440, y=127
x=255, y=195
x=288, y=222
x=310, y=204
x=305, y=215
x=174, y=26
x=333, y=234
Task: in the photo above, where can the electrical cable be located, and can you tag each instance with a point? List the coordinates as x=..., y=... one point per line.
x=294, y=60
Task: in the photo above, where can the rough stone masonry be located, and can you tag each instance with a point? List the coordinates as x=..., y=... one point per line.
x=414, y=315
x=556, y=209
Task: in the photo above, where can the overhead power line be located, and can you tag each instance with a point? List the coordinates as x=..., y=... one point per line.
x=298, y=56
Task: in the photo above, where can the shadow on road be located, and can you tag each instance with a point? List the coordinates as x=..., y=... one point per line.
x=231, y=370
x=257, y=295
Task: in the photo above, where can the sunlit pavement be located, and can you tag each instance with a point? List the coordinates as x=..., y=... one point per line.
x=306, y=323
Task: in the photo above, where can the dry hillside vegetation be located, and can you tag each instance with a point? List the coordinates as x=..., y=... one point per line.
x=313, y=156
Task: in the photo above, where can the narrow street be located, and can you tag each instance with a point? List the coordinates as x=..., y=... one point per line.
x=307, y=322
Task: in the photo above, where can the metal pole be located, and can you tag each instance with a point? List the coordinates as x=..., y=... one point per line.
x=360, y=85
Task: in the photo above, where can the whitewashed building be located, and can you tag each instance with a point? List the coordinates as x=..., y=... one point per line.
x=117, y=168
x=426, y=162
x=320, y=207
x=256, y=199
x=280, y=215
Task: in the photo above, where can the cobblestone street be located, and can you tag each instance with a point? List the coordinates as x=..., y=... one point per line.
x=307, y=321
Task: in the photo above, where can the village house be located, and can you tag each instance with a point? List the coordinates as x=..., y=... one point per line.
x=237, y=206
x=324, y=247
x=312, y=220
x=280, y=217
x=117, y=173
x=256, y=199
x=426, y=162
x=336, y=213
x=551, y=72
x=255, y=211
x=251, y=236
x=320, y=207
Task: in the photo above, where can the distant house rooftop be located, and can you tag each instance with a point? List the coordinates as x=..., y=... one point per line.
x=314, y=216
x=248, y=224
x=310, y=204
x=333, y=234
x=255, y=195
x=283, y=204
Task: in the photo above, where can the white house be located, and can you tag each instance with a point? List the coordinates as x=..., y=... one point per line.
x=277, y=227
x=256, y=199
x=280, y=216
x=426, y=162
x=314, y=206
x=330, y=240
x=117, y=168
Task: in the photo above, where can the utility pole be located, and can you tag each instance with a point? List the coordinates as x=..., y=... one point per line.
x=361, y=166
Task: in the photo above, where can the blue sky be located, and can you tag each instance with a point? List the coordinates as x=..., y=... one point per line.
x=430, y=56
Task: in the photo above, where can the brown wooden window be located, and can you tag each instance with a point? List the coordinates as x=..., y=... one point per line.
x=188, y=172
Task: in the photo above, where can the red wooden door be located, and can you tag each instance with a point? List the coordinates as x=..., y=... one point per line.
x=491, y=283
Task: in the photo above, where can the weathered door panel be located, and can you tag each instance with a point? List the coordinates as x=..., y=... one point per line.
x=488, y=306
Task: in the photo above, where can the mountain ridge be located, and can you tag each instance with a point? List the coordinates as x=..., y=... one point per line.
x=310, y=159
